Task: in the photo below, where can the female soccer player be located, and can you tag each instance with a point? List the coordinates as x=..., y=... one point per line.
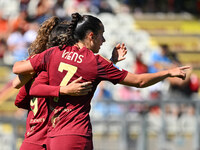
x=70, y=127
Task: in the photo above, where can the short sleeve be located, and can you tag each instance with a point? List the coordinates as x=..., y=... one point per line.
x=109, y=71
x=40, y=61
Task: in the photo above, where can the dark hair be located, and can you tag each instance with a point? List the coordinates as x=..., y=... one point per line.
x=85, y=24
x=58, y=35
x=79, y=26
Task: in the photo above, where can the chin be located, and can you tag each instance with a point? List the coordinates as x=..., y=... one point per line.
x=96, y=51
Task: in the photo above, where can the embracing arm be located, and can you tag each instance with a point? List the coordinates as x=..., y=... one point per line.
x=23, y=67
x=21, y=80
x=40, y=87
x=25, y=72
x=148, y=79
x=23, y=98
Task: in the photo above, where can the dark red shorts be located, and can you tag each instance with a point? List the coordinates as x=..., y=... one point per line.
x=31, y=146
x=70, y=142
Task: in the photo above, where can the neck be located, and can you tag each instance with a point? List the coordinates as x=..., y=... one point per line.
x=79, y=45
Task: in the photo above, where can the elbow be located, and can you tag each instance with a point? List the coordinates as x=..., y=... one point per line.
x=16, y=86
x=15, y=70
x=31, y=93
x=17, y=104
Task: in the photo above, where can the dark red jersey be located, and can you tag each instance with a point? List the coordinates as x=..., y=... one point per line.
x=71, y=114
x=37, y=118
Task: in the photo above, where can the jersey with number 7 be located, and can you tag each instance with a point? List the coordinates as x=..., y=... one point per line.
x=71, y=114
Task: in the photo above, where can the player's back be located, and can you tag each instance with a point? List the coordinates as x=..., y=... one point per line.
x=70, y=64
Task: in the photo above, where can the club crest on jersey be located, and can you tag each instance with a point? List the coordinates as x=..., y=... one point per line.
x=117, y=67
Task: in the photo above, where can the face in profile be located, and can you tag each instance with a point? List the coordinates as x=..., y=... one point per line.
x=98, y=40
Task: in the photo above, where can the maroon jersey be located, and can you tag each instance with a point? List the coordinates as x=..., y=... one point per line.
x=37, y=118
x=71, y=114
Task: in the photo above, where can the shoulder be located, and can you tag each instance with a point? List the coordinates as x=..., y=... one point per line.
x=102, y=58
x=46, y=52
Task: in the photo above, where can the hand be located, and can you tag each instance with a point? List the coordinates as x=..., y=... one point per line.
x=118, y=53
x=21, y=80
x=76, y=88
x=179, y=72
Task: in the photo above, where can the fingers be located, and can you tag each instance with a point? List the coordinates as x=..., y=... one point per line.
x=122, y=58
x=117, y=46
x=83, y=91
x=183, y=75
x=77, y=80
x=86, y=84
x=184, y=67
x=125, y=52
x=122, y=46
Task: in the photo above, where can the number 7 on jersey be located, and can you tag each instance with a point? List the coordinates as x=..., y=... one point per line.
x=71, y=70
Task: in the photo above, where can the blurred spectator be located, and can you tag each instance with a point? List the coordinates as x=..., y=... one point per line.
x=24, y=5
x=43, y=10
x=3, y=48
x=194, y=83
x=18, y=42
x=160, y=59
x=140, y=66
x=59, y=9
x=17, y=48
x=100, y=6
x=182, y=88
x=19, y=21
x=198, y=7
x=104, y=109
x=4, y=26
x=31, y=33
x=81, y=6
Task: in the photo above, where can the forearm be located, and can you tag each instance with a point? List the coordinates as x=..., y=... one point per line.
x=23, y=67
x=44, y=90
x=23, y=98
x=144, y=80
x=21, y=80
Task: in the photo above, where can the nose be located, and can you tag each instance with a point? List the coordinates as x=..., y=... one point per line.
x=104, y=39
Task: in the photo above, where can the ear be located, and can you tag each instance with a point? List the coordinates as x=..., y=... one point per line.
x=91, y=35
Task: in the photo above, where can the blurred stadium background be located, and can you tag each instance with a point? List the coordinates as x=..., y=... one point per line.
x=165, y=116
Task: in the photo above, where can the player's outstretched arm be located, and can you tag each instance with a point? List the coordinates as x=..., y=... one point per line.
x=148, y=79
x=118, y=53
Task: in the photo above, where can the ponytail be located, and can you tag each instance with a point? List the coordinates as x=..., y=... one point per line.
x=69, y=38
